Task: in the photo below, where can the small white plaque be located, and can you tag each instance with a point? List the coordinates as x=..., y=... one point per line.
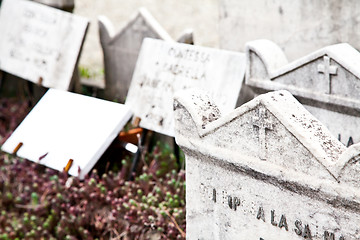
x=166, y=67
x=39, y=43
x=65, y=126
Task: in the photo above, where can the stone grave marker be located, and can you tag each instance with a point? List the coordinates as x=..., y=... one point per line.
x=327, y=82
x=64, y=126
x=39, y=43
x=268, y=170
x=67, y=5
x=165, y=67
x=121, y=50
x=299, y=27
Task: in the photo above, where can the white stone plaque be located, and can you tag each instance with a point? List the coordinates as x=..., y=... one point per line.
x=40, y=43
x=268, y=170
x=64, y=126
x=166, y=67
x=326, y=81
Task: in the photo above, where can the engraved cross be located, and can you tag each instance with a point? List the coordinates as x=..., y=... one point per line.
x=262, y=123
x=327, y=70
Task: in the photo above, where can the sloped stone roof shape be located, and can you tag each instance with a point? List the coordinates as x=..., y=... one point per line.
x=304, y=126
x=200, y=130
x=110, y=37
x=269, y=70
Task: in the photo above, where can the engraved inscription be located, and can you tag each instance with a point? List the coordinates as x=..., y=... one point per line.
x=214, y=195
x=233, y=202
x=261, y=214
x=299, y=229
x=331, y=236
x=277, y=220
x=283, y=223
x=350, y=141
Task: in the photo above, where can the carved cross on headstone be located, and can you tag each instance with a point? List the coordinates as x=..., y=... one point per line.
x=262, y=122
x=327, y=70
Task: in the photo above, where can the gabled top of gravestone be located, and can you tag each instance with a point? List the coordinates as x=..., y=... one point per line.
x=64, y=126
x=121, y=50
x=40, y=43
x=142, y=22
x=273, y=127
x=165, y=67
x=330, y=75
x=271, y=137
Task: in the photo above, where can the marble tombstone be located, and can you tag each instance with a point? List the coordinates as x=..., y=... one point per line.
x=326, y=81
x=268, y=170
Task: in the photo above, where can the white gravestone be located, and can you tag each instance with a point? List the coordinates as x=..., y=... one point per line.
x=60, y=4
x=268, y=170
x=327, y=82
x=121, y=50
x=64, y=126
x=299, y=27
x=39, y=43
x=165, y=67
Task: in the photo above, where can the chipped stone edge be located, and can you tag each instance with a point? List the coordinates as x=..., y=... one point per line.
x=185, y=100
x=324, y=189
x=331, y=192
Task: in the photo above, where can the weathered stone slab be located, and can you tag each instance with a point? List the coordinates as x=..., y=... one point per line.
x=327, y=82
x=268, y=170
x=299, y=27
x=67, y=5
x=39, y=43
x=165, y=67
x=64, y=126
x=121, y=50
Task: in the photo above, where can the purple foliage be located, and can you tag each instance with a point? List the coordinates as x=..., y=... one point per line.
x=40, y=203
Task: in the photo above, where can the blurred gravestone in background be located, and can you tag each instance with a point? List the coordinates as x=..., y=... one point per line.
x=66, y=5
x=298, y=27
x=42, y=44
x=166, y=67
x=121, y=50
x=174, y=17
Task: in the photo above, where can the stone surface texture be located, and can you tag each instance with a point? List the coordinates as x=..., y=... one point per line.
x=166, y=67
x=42, y=44
x=268, y=170
x=121, y=50
x=326, y=81
x=299, y=27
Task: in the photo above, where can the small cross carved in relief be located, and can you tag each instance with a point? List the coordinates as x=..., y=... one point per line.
x=327, y=70
x=262, y=122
